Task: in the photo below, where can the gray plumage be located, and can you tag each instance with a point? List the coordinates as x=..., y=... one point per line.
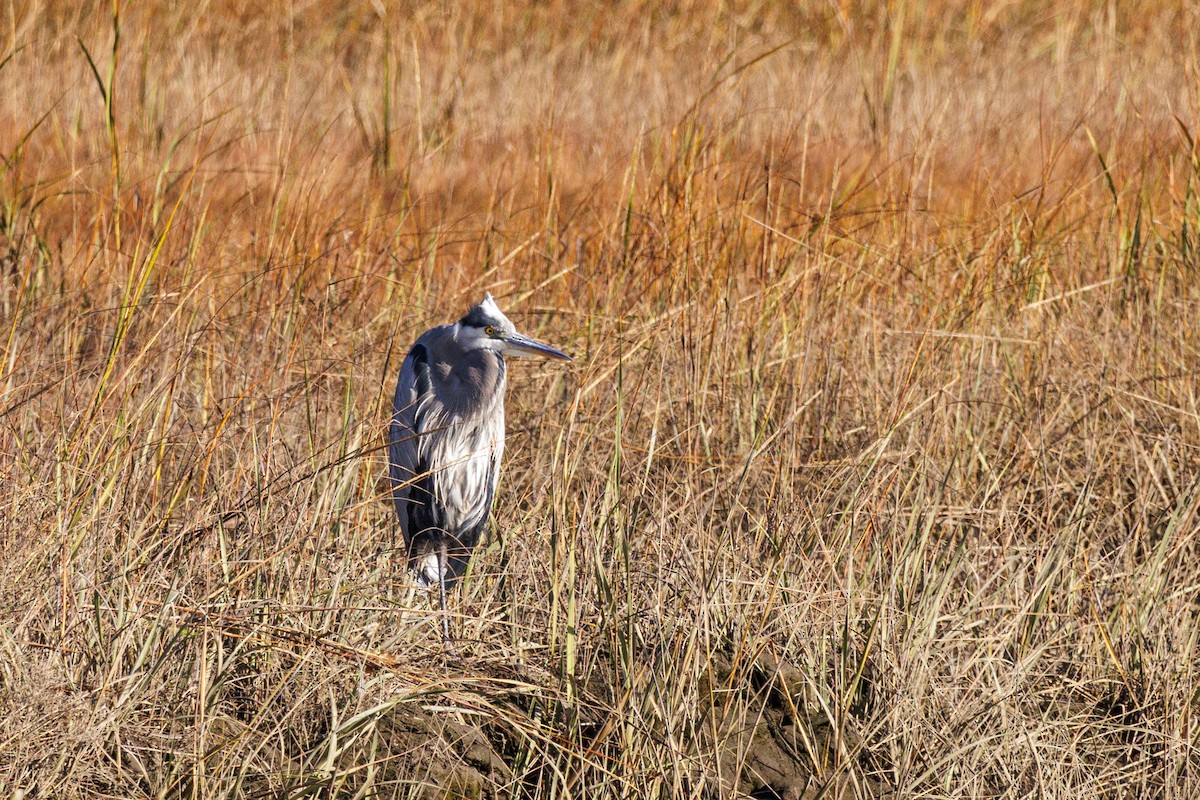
x=447, y=438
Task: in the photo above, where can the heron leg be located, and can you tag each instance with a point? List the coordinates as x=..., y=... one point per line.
x=442, y=592
x=445, y=614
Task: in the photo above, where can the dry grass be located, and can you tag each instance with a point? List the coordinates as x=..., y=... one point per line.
x=878, y=474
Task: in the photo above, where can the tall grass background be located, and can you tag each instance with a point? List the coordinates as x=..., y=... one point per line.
x=877, y=474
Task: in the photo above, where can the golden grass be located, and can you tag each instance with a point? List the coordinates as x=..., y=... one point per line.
x=878, y=473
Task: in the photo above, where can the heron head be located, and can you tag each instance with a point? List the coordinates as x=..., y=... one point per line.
x=486, y=328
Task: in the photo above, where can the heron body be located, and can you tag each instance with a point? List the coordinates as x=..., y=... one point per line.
x=447, y=438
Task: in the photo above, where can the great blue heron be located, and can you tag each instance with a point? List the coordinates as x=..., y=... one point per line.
x=447, y=437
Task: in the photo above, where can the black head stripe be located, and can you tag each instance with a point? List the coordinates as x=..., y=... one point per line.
x=477, y=318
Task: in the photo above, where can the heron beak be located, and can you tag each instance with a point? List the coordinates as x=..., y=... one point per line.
x=518, y=344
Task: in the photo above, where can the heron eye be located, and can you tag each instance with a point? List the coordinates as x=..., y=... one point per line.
x=489, y=330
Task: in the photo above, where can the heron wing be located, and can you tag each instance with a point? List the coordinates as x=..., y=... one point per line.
x=409, y=447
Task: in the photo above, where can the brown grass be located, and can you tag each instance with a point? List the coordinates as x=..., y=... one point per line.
x=877, y=475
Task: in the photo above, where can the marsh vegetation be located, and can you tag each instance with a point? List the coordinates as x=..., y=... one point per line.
x=877, y=474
